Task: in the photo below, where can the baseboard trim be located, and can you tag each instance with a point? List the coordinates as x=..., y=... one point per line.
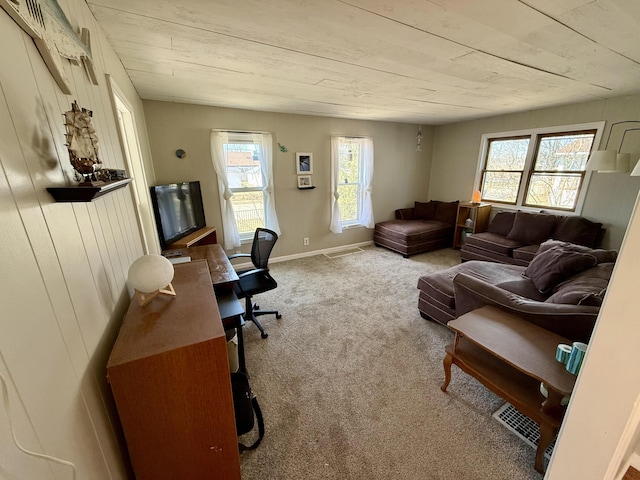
x=312, y=253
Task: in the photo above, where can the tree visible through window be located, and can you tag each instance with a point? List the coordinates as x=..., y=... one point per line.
x=538, y=169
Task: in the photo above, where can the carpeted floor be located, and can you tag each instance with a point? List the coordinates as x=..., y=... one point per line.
x=349, y=379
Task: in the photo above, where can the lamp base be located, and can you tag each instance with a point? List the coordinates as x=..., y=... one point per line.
x=145, y=298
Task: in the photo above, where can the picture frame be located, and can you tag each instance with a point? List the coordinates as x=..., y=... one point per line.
x=304, y=163
x=304, y=181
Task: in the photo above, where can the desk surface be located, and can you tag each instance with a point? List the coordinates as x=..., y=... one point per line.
x=220, y=268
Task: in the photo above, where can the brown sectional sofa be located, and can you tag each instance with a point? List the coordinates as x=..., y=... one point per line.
x=424, y=227
x=514, y=237
x=561, y=289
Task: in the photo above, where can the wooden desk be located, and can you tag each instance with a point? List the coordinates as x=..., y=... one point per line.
x=511, y=357
x=220, y=268
x=170, y=378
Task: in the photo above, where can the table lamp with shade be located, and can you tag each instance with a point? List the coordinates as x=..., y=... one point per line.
x=150, y=276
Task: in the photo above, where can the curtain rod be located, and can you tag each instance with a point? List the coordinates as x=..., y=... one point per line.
x=226, y=130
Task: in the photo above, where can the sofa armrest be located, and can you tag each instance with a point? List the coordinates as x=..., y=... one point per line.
x=575, y=322
x=405, y=213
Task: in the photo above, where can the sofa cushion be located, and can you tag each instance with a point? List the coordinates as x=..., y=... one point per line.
x=602, y=256
x=576, y=230
x=530, y=228
x=447, y=212
x=412, y=230
x=425, y=211
x=555, y=264
x=493, y=242
x=526, y=253
x=585, y=288
x=502, y=223
x=439, y=285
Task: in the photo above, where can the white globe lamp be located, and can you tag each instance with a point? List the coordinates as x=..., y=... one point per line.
x=151, y=275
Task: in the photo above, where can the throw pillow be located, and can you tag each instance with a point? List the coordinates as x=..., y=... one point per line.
x=425, y=211
x=447, y=212
x=554, y=265
x=602, y=256
x=576, y=230
x=531, y=228
x=502, y=223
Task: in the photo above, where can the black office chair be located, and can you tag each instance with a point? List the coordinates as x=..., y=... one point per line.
x=258, y=279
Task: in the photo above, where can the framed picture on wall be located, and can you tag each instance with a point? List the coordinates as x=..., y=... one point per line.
x=304, y=181
x=304, y=163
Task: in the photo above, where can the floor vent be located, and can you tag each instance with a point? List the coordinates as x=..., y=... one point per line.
x=342, y=253
x=522, y=426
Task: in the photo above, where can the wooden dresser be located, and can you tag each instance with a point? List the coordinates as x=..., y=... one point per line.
x=169, y=373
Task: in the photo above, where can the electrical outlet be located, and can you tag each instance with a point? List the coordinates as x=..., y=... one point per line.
x=305, y=240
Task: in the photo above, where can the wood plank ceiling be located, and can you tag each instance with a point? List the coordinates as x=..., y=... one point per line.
x=414, y=61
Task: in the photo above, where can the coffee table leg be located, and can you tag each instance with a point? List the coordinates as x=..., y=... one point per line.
x=547, y=434
x=448, y=360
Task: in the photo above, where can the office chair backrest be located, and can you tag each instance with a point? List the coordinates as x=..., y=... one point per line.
x=263, y=242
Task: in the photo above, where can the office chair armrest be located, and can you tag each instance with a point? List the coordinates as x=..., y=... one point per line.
x=252, y=272
x=238, y=255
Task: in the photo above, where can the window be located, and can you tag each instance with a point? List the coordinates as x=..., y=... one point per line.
x=352, y=174
x=540, y=169
x=243, y=163
x=242, y=158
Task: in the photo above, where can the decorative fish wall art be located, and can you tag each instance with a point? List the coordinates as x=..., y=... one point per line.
x=54, y=37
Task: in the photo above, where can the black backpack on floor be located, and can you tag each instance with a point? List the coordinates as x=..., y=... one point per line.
x=246, y=408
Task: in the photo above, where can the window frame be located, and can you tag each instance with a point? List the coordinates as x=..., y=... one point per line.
x=529, y=166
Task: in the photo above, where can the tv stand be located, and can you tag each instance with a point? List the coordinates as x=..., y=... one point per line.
x=204, y=236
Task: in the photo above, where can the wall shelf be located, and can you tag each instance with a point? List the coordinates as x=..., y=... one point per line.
x=306, y=188
x=81, y=193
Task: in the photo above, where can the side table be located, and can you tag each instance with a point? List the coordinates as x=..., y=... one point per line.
x=511, y=357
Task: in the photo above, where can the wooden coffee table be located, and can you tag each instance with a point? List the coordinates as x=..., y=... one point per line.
x=511, y=357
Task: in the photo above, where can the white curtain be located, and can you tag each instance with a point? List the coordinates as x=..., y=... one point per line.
x=266, y=166
x=366, y=178
x=229, y=226
x=366, y=151
x=336, y=221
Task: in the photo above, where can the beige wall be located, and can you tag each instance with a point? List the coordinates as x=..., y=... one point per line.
x=63, y=265
x=610, y=197
x=401, y=174
x=601, y=426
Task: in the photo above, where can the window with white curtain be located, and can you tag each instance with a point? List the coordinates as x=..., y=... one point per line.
x=352, y=176
x=243, y=163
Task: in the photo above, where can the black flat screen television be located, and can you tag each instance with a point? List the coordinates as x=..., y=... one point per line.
x=178, y=210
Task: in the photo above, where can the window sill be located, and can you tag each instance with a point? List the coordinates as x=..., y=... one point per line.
x=515, y=208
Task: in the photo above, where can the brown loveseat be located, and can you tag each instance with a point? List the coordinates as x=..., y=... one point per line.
x=561, y=289
x=514, y=237
x=424, y=227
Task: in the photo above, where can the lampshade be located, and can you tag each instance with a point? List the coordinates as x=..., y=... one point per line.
x=602, y=161
x=476, y=197
x=151, y=275
x=636, y=170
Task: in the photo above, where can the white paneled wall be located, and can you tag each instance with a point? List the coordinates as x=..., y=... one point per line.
x=63, y=266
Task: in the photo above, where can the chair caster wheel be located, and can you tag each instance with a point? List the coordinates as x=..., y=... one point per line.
x=278, y=316
x=264, y=335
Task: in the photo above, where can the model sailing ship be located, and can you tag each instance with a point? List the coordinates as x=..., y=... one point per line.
x=82, y=144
